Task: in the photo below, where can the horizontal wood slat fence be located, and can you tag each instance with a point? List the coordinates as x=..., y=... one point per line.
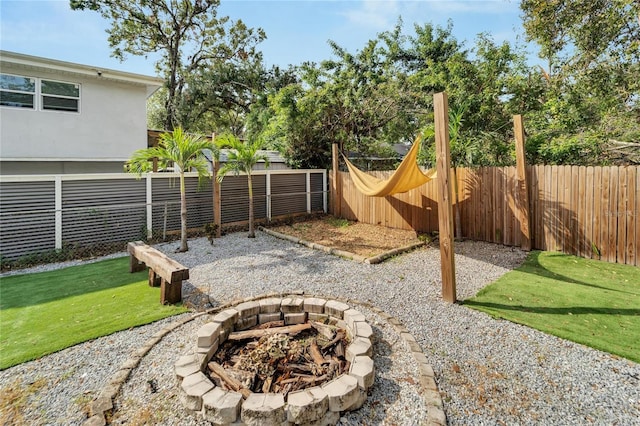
x=592, y=212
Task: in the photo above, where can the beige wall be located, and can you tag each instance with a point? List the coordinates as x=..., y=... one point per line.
x=111, y=124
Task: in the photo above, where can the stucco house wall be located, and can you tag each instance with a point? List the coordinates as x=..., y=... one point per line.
x=110, y=124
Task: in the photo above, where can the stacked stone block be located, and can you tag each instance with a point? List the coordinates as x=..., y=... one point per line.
x=314, y=406
x=270, y=310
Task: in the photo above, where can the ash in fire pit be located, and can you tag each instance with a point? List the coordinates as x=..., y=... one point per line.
x=278, y=360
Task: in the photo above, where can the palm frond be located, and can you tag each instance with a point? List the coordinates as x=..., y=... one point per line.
x=241, y=157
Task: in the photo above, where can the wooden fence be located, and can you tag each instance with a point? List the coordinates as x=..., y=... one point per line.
x=591, y=212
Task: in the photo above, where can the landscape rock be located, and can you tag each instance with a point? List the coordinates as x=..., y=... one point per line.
x=193, y=389
x=308, y=405
x=363, y=370
x=221, y=406
x=342, y=392
x=263, y=409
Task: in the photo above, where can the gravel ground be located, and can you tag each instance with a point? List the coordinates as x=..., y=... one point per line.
x=488, y=371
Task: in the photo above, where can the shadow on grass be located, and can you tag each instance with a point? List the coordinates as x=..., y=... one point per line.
x=38, y=288
x=572, y=310
x=533, y=266
x=586, y=301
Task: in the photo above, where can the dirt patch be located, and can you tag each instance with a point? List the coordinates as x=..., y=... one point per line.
x=355, y=237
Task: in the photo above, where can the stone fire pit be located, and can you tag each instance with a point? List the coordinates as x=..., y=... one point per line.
x=316, y=405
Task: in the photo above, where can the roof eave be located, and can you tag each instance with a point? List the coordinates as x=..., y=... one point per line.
x=35, y=62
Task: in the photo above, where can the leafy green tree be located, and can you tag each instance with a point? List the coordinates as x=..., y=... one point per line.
x=188, y=34
x=575, y=34
x=241, y=158
x=221, y=95
x=156, y=112
x=259, y=115
x=490, y=83
x=295, y=123
x=592, y=78
x=185, y=153
x=358, y=100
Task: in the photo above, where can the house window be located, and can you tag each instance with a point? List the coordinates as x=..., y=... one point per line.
x=17, y=91
x=60, y=96
x=35, y=93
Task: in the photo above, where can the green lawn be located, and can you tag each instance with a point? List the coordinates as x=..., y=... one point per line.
x=49, y=311
x=587, y=301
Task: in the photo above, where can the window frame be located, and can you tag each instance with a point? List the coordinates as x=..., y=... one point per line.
x=42, y=95
x=38, y=95
x=34, y=106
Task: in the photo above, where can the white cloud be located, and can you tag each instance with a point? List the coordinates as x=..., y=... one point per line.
x=374, y=14
x=380, y=15
x=472, y=6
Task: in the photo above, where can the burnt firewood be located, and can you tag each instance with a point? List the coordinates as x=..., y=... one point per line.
x=270, y=324
x=314, y=351
x=297, y=368
x=339, y=336
x=266, y=386
x=250, y=334
x=327, y=331
x=231, y=382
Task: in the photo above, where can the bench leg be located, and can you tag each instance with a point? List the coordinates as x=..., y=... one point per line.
x=135, y=265
x=154, y=279
x=170, y=293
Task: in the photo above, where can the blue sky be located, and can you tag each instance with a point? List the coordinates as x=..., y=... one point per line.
x=297, y=30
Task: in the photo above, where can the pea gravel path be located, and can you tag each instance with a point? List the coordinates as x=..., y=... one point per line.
x=488, y=371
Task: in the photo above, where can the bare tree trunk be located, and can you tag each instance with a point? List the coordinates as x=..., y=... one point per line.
x=183, y=214
x=252, y=233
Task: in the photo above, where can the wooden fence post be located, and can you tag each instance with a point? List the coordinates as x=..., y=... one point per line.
x=522, y=196
x=217, y=210
x=445, y=209
x=336, y=196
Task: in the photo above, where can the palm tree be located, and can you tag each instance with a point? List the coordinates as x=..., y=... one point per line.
x=185, y=152
x=240, y=159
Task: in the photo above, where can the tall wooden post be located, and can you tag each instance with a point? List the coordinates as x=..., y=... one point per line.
x=336, y=190
x=522, y=197
x=445, y=208
x=217, y=210
x=151, y=142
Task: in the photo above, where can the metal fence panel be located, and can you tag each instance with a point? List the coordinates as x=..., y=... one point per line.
x=288, y=194
x=234, y=195
x=166, y=203
x=98, y=210
x=62, y=216
x=317, y=192
x=27, y=218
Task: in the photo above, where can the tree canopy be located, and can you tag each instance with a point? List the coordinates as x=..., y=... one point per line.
x=580, y=107
x=590, y=106
x=190, y=38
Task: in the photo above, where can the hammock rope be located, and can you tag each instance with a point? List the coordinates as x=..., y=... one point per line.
x=406, y=177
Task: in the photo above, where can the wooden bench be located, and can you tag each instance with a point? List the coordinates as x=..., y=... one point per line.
x=163, y=271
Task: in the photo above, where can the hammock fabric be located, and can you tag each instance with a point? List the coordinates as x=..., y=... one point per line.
x=406, y=177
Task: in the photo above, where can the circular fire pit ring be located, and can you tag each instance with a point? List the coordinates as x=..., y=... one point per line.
x=321, y=404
